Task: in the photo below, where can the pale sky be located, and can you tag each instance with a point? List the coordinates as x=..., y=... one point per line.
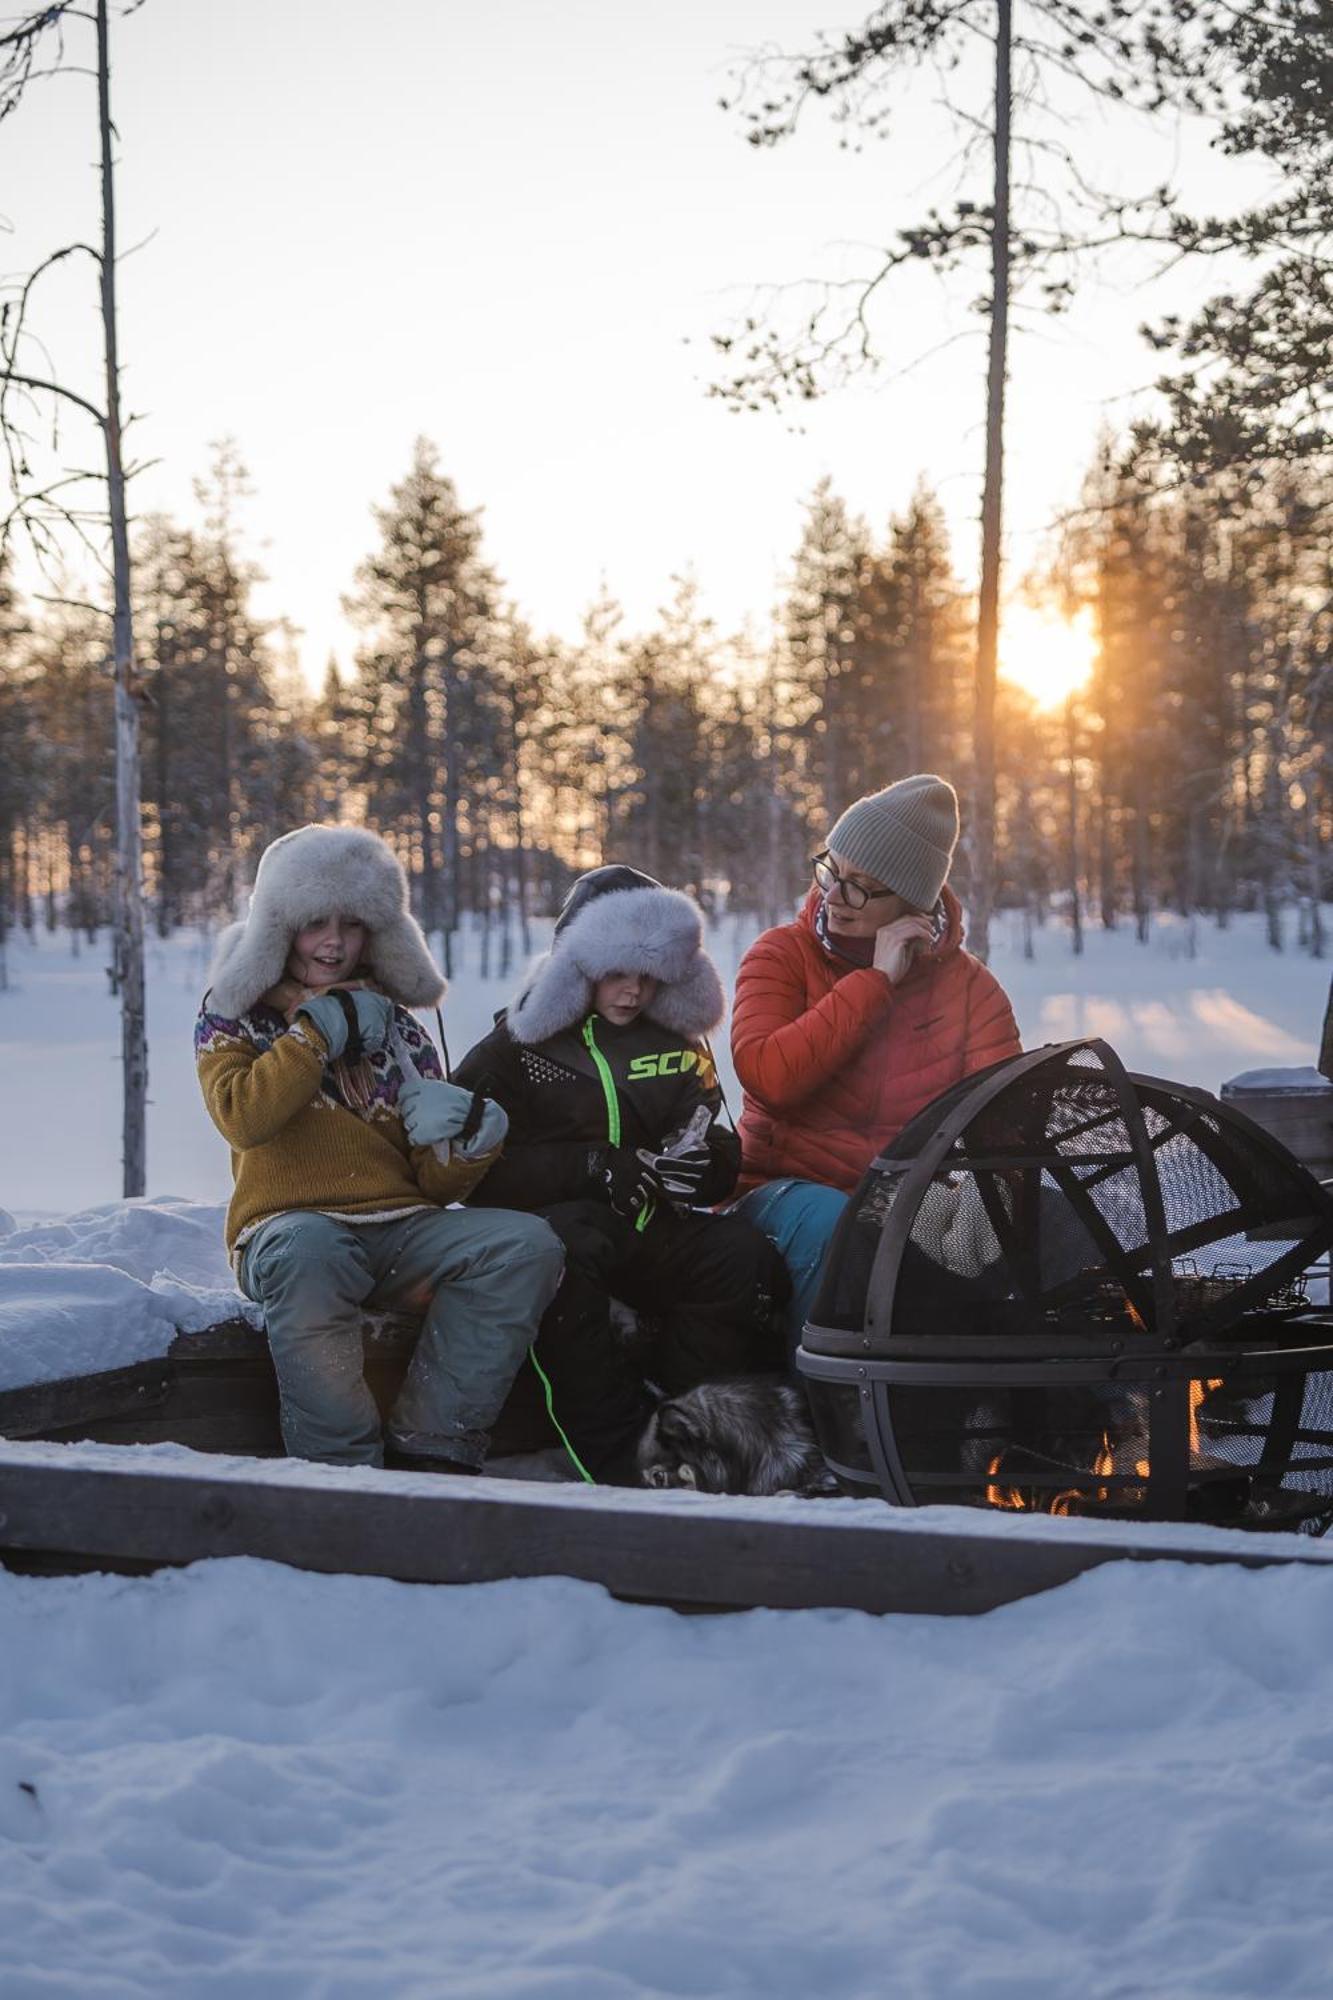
x=511, y=226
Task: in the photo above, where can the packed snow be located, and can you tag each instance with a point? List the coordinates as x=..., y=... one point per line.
x=240, y=1780
x=109, y=1287
x=237, y=1780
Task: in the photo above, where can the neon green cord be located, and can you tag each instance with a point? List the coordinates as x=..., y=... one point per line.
x=545, y=1381
x=645, y=1215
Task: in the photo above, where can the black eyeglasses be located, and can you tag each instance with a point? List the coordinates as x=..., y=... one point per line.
x=855, y=897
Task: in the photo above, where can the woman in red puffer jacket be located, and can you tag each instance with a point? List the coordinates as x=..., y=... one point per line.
x=849, y=1021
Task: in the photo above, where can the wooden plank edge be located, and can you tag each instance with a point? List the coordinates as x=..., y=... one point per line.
x=116, y=1504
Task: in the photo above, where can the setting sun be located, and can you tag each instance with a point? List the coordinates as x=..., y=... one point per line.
x=1048, y=656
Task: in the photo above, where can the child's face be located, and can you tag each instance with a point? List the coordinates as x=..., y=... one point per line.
x=327, y=951
x=622, y=996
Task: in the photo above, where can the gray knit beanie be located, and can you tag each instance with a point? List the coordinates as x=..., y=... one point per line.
x=904, y=836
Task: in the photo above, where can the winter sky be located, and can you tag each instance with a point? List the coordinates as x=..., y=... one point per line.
x=512, y=226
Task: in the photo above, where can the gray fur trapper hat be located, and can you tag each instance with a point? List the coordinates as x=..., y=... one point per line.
x=322, y=871
x=616, y=920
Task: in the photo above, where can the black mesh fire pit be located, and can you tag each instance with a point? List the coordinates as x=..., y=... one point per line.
x=1072, y=1290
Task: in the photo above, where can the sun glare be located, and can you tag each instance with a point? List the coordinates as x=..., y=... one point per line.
x=1048, y=656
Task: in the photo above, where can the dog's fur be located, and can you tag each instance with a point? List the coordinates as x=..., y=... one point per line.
x=750, y=1434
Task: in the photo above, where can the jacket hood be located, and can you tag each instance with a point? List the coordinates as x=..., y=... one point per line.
x=656, y=931
x=944, y=947
x=318, y=871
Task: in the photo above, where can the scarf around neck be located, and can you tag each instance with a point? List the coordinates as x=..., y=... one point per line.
x=852, y=951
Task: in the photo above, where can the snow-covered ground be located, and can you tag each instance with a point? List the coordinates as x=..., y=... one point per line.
x=241, y=1781
x=244, y=1781
x=1234, y=1006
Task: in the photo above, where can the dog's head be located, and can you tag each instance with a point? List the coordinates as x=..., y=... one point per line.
x=751, y=1435
x=678, y=1450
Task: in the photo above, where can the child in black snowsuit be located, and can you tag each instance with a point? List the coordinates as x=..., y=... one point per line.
x=614, y=1138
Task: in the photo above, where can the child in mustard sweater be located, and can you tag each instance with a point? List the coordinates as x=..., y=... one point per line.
x=347, y=1147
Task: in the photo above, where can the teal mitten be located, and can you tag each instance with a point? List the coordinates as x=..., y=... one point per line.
x=491, y=1128
x=374, y=1017
x=433, y=1110
x=325, y=1012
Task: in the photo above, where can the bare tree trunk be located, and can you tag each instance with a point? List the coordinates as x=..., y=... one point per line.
x=1193, y=877
x=1139, y=856
x=419, y=753
x=165, y=856
x=451, y=847
x=916, y=663
x=1272, y=836
x=1314, y=863
x=1026, y=865
x=26, y=903
x=1075, y=862
x=129, y=833
x=992, y=512
x=520, y=838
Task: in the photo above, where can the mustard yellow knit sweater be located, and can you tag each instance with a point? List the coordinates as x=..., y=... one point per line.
x=300, y=1138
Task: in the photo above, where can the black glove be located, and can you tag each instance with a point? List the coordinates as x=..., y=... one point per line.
x=630, y=1185
x=679, y=1175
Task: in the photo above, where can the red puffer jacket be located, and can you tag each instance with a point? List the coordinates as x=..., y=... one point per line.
x=834, y=1061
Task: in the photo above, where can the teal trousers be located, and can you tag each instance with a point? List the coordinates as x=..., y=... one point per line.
x=480, y=1278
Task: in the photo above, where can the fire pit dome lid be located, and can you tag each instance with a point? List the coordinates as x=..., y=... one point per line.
x=1057, y=1192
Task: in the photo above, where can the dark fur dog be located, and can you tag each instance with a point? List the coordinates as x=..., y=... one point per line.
x=748, y=1435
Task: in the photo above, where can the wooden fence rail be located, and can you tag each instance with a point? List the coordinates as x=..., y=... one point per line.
x=104, y=1504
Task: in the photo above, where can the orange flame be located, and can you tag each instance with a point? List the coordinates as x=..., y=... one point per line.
x=1198, y=1390
x=1002, y=1496
x=1103, y=1466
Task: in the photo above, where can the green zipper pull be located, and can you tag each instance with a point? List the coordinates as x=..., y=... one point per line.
x=603, y=1068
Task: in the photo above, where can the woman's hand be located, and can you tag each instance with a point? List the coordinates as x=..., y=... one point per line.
x=897, y=944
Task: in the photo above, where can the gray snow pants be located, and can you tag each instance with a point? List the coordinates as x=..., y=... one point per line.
x=482, y=1279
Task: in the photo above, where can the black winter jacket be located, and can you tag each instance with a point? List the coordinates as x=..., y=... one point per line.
x=560, y=1116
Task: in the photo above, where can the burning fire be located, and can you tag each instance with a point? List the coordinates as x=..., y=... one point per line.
x=1103, y=1466
x=1002, y=1496
x=1015, y=1499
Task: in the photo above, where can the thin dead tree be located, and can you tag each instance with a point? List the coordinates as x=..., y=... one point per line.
x=47, y=509
x=1114, y=49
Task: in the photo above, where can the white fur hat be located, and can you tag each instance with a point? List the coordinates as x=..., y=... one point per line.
x=321, y=871
x=655, y=931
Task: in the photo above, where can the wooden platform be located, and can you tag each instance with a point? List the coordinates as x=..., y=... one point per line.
x=230, y=1493
x=215, y=1390
x=105, y=1505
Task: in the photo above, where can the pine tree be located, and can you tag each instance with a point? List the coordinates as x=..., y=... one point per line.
x=425, y=599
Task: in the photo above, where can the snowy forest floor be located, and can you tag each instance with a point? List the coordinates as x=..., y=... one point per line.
x=1233, y=1006
x=238, y=1780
